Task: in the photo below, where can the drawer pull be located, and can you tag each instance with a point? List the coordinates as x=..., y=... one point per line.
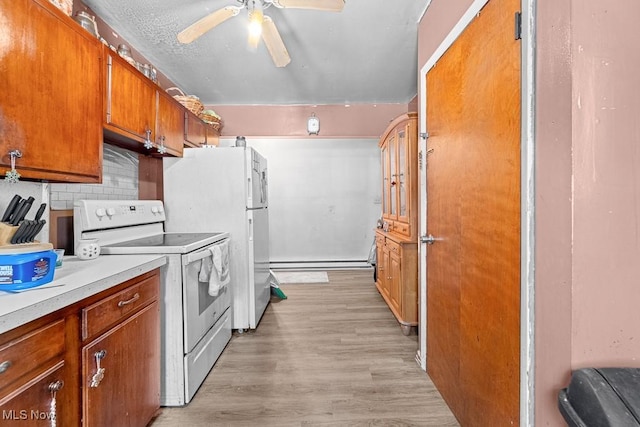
x=135, y=297
x=4, y=366
x=99, y=375
x=56, y=386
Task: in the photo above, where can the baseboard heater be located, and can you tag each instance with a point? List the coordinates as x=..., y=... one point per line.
x=319, y=265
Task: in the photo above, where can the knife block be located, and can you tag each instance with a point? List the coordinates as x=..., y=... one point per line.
x=6, y=233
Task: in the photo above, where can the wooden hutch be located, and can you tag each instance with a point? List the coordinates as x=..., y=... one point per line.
x=397, y=240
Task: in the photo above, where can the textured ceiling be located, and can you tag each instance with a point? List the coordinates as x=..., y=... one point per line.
x=365, y=54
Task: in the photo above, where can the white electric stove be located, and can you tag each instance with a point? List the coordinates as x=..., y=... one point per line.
x=196, y=327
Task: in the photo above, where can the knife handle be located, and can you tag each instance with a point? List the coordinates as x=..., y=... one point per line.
x=20, y=214
x=40, y=212
x=11, y=207
x=15, y=211
x=18, y=234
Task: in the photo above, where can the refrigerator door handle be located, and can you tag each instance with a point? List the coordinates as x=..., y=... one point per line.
x=250, y=229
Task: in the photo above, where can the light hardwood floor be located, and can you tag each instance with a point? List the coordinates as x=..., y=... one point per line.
x=329, y=355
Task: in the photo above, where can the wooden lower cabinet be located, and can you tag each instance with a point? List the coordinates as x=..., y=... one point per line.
x=397, y=277
x=47, y=368
x=34, y=376
x=117, y=387
x=40, y=400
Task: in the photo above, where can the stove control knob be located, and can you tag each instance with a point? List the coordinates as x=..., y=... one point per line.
x=154, y=209
x=111, y=212
x=100, y=212
x=160, y=209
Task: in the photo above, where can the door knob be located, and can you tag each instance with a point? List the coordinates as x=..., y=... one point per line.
x=429, y=240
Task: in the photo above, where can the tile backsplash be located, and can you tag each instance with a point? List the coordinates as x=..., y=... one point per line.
x=119, y=181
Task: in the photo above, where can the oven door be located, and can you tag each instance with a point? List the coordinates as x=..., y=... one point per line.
x=201, y=310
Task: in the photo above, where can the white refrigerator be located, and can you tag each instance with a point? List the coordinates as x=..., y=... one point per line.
x=226, y=189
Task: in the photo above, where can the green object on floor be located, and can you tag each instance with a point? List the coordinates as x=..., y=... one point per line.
x=277, y=292
x=275, y=286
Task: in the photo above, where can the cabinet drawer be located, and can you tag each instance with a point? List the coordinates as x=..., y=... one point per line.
x=28, y=352
x=401, y=227
x=380, y=241
x=393, y=246
x=111, y=310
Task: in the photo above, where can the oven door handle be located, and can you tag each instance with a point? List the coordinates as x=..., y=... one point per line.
x=197, y=256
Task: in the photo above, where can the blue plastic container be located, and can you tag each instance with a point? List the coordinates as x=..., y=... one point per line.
x=26, y=270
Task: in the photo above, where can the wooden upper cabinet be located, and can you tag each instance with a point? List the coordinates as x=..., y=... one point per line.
x=51, y=99
x=195, y=132
x=399, y=150
x=170, y=124
x=213, y=135
x=137, y=111
x=130, y=105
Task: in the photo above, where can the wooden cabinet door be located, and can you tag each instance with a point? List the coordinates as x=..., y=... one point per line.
x=393, y=177
x=386, y=273
x=403, y=181
x=129, y=393
x=51, y=96
x=380, y=260
x=386, y=179
x=130, y=101
x=170, y=124
x=213, y=136
x=39, y=400
x=395, y=280
x=195, y=133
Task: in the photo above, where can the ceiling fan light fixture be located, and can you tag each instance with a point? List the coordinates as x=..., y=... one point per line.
x=256, y=17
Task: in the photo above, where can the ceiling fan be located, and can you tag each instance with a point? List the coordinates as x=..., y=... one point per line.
x=260, y=25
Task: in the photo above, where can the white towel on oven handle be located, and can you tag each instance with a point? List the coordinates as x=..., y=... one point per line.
x=219, y=277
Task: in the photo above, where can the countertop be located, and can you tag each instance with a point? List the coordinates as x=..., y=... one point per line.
x=74, y=281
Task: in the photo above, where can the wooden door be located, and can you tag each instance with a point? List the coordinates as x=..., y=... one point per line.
x=128, y=394
x=170, y=124
x=51, y=94
x=131, y=101
x=394, y=283
x=473, y=188
x=403, y=174
x=40, y=400
x=195, y=133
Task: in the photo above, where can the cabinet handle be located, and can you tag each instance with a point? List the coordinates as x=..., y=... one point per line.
x=147, y=141
x=99, y=375
x=135, y=297
x=161, y=148
x=4, y=366
x=12, y=176
x=56, y=386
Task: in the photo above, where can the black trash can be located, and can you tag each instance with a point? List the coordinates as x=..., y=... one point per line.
x=602, y=397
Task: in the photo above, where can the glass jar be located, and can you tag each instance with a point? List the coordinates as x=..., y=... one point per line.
x=86, y=21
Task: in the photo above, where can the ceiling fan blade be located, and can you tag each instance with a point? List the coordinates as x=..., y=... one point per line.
x=326, y=5
x=274, y=43
x=207, y=23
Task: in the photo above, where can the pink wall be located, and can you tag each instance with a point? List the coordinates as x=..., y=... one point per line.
x=336, y=121
x=553, y=222
x=606, y=137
